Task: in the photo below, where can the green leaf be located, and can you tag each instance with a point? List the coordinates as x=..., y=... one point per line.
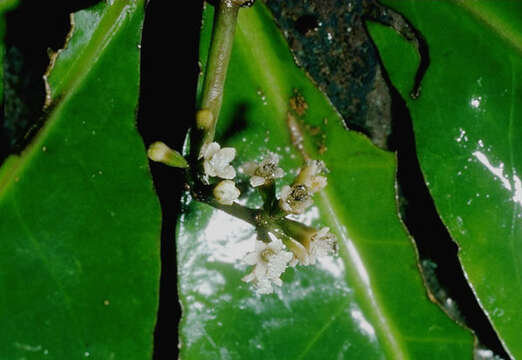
x=79, y=220
x=466, y=123
x=367, y=303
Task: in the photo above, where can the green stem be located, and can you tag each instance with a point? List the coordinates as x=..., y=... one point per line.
x=225, y=21
x=244, y=213
x=296, y=230
x=203, y=193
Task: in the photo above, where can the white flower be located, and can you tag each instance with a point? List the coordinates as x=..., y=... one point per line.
x=322, y=243
x=310, y=176
x=295, y=199
x=217, y=161
x=270, y=261
x=226, y=192
x=263, y=172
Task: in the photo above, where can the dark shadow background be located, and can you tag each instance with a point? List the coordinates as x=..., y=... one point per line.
x=169, y=71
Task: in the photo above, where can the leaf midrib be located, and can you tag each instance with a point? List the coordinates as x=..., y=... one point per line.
x=254, y=37
x=352, y=258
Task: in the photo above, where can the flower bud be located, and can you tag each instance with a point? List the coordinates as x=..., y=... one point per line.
x=226, y=192
x=160, y=152
x=204, y=119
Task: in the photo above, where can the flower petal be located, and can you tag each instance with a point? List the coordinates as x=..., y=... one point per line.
x=227, y=172
x=256, y=181
x=208, y=150
x=248, y=277
x=227, y=154
x=249, y=168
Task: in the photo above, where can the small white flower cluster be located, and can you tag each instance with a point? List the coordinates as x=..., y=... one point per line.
x=295, y=199
x=216, y=163
x=270, y=260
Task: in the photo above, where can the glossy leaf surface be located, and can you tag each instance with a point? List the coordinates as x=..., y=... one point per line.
x=367, y=303
x=79, y=220
x=467, y=123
